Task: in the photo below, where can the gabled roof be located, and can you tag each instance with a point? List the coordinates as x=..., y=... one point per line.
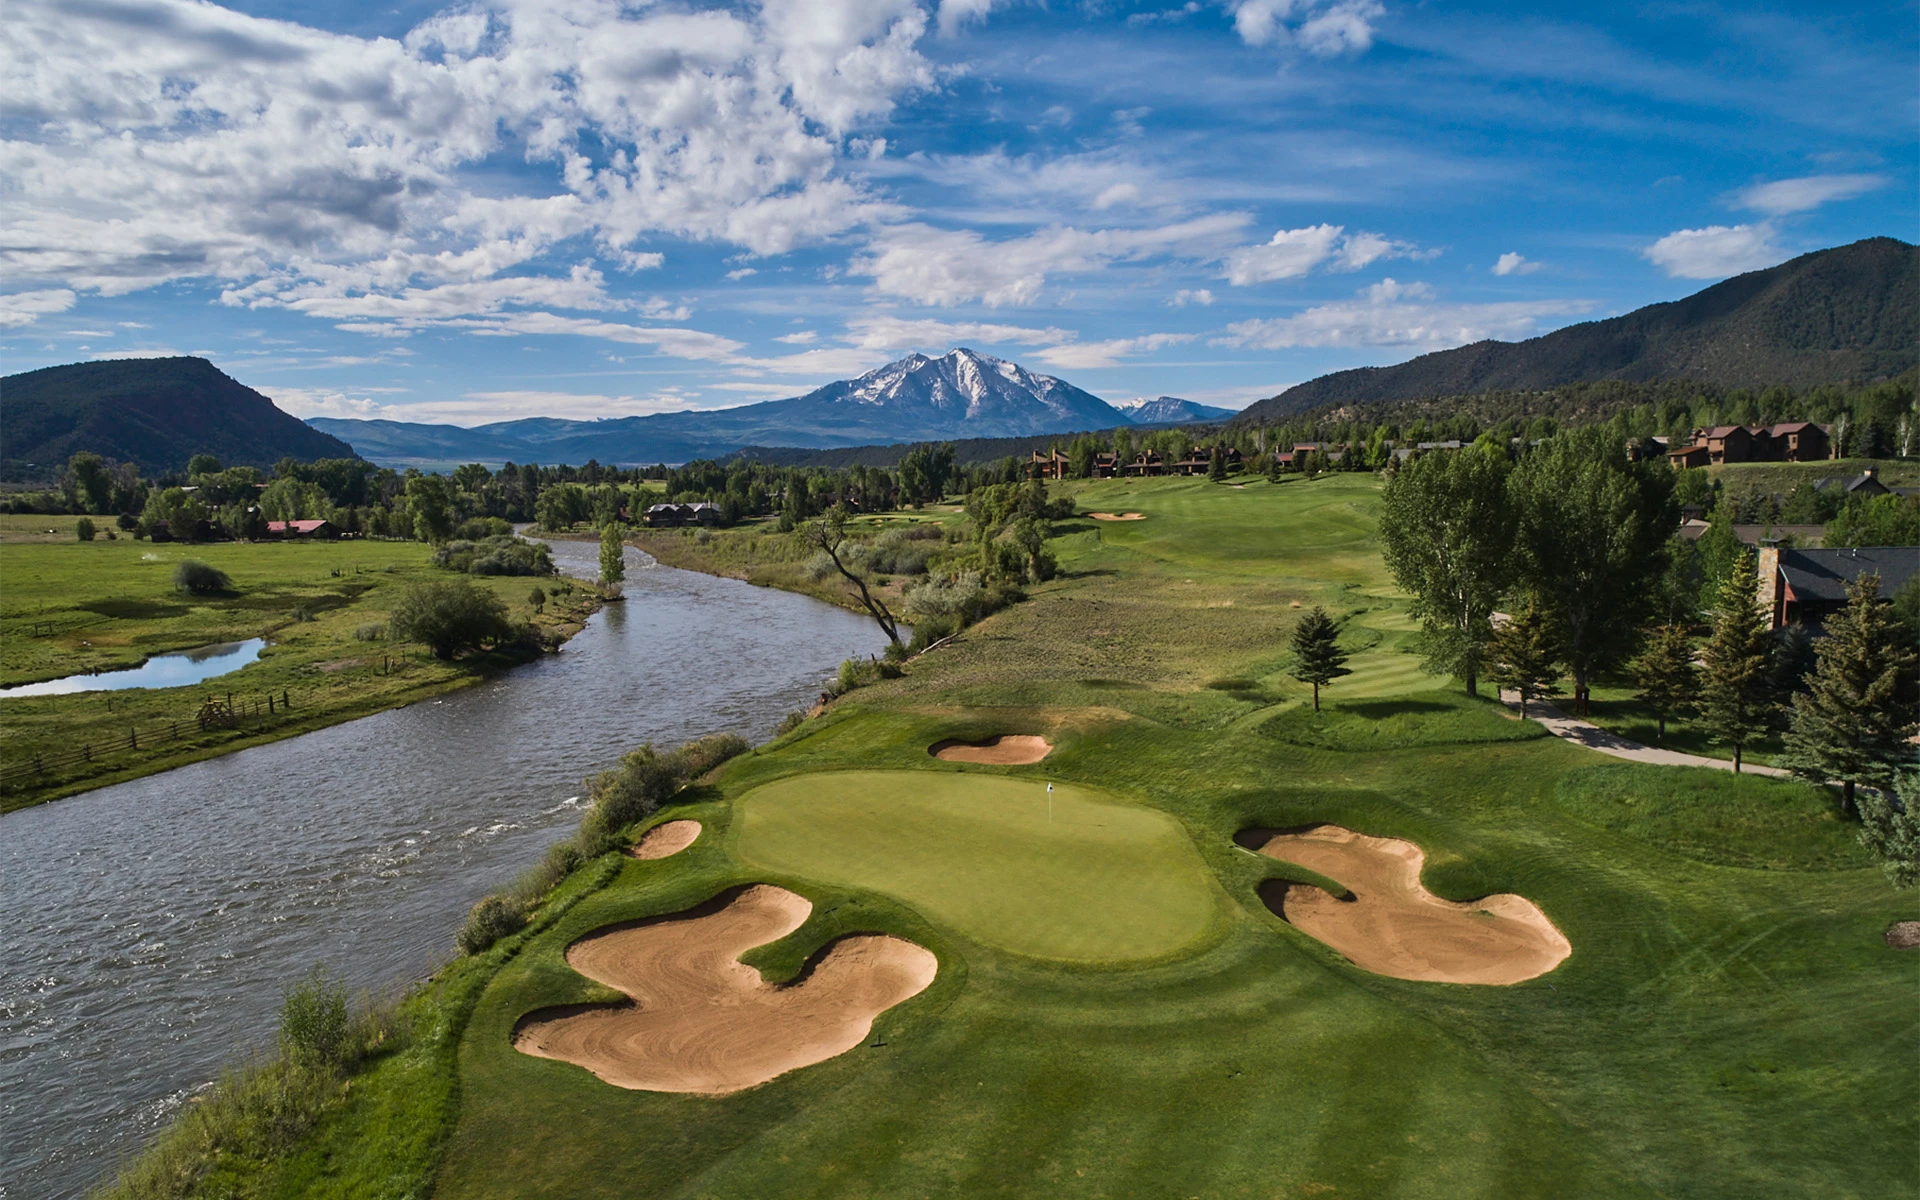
x=1787, y=427
x=1722, y=431
x=1824, y=574
x=295, y=526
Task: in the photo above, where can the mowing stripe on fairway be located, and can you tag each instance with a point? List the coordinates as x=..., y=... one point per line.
x=1103, y=881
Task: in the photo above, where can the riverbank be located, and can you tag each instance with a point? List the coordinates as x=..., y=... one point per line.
x=1058, y=1050
x=77, y=607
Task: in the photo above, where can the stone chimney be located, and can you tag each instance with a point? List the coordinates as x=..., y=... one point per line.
x=1769, y=597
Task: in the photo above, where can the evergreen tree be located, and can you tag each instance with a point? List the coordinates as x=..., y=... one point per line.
x=613, y=557
x=1317, y=657
x=1735, y=700
x=1862, y=700
x=1524, y=655
x=1894, y=833
x=1665, y=672
x=1273, y=467
x=1217, y=466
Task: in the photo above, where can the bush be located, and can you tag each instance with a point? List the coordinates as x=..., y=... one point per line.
x=451, y=616
x=487, y=922
x=200, y=579
x=369, y=633
x=644, y=780
x=480, y=528
x=313, y=1019
x=83, y=529
x=496, y=556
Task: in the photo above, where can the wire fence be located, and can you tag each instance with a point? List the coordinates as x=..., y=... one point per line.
x=229, y=712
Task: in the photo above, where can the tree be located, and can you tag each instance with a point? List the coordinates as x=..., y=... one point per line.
x=1593, y=539
x=1317, y=657
x=200, y=579
x=449, y=616
x=83, y=529
x=1862, y=701
x=1735, y=699
x=1665, y=672
x=1524, y=654
x=89, y=486
x=1890, y=520
x=1447, y=532
x=613, y=556
x=828, y=534
x=1273, y=467
x=430, y=500
x=203, y=464
x=1893, y=833
x=1217, y=466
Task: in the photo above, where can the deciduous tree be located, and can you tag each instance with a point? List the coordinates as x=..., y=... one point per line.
x=613, y=555
x=1317, y=657
x=1862, y=700
x=828, y=534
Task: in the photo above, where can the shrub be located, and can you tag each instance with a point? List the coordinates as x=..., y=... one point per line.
x=313, y=1019
x=369, y=633
x=496, y=556
x=644, y=780
x=127, y=522
x=790, y=722
x=487, y=922
x=537, y=597
x=83, y=529
x=450, y=616
x=304, y=612
x=200, y=578
x=480, y=528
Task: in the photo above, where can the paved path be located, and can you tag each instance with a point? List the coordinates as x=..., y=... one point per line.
x=1586, y=733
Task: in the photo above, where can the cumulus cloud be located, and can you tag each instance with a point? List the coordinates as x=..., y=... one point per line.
x=1086, y=355
x=1319, y=27
x=1391, y=314
x=1806, y=193
x=798, y=339
x=181, y=140
x=893, y=334
x=24, y=308
x=1291, y=253
x=945, y=267
x=1716, y=251
x=1186, y=296
x=1512, y=263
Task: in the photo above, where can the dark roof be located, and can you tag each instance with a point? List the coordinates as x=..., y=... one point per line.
x=1824, y=574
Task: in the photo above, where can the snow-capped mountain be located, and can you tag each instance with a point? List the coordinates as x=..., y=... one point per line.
x=1163, y=410
x=961, y=394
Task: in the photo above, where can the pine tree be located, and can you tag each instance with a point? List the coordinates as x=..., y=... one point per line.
x=1665, y=672
x=1524, y=655
x=1862, y=700
x=1735, y=700
x=1894, y=833
x=1317, y=657
x=1273, y=467
x=1217, y=466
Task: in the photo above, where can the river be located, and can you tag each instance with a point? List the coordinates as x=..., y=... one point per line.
x=150, y=927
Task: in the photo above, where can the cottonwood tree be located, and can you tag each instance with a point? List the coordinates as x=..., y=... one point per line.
x=450, y=616
x=1593, y=535
x=1447, y=532
x=1862, y=700
x=1317, y=657
x=613, y=556
x=1524, y=654
x=1735, y=698
x=1669, y=682
x=1893, y=833
x=828, y=534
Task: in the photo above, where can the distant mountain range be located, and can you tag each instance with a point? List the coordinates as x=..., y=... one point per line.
x=1849, y=314
x=960, y=395
x=155, y=412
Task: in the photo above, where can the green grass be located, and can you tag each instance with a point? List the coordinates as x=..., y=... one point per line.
x=1085, y=877
x=1716, y=816
x=1429, y=719
x=67, y=607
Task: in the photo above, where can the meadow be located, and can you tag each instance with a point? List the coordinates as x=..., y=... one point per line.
x=68, y=607
x=1117, y=1013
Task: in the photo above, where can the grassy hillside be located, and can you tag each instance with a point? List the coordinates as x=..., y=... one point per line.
x=1730, y=1022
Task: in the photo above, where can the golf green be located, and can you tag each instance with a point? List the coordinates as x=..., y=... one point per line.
x=1093, y=880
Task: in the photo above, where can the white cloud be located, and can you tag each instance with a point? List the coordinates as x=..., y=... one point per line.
x=1808, y=192
x=741, y=273
x=1186, y=296
x=1119, y=193
x=1291, y=253
x=24, y=308
x=1320, y=28
x=1398, y=315
x=1512, y=263
x=896, y=334
x=1087, y=355
x=174, y=139
x=1716, y=251
x=947, y=267
x=482, y=408
x=955, y=13
x=798, y=339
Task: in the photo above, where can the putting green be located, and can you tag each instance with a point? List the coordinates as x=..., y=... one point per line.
x=1102, y=881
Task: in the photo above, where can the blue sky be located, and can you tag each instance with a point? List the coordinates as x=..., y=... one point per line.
x=580, y=208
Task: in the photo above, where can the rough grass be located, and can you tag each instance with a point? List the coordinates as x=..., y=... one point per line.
x=1077, y=875
x=1427, y=719
x=1716, y=816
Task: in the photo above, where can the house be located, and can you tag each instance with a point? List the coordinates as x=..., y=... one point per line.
x=1695, y=455
x=704, y=512
x=1773, y=535
x=325, y=531
x=1105, y=466
x=1867, y=483
x=1730, y=444
x=1051, y=465
x=662, y=516
x=1808, y=586
x=1148, y=462
x=1800, y=441
x=1195, y=463
x=1789, y=441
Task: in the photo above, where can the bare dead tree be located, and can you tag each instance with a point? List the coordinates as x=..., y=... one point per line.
x=827, y=534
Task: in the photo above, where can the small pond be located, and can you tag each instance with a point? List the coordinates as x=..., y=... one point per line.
x=160, y=671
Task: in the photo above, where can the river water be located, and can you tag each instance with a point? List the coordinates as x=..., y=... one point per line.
x=147, y=929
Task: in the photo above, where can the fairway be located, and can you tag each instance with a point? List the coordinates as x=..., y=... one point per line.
x=1103, y=881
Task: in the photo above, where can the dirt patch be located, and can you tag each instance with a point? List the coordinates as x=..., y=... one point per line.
x=1394, y=926
x=1904, y=935
x=1007, y=750
x=1118, y=516
x=666, y=840
x=339, y=664
x=702, y=1021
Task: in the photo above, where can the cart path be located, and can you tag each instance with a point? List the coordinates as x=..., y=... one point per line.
x=1586, y=733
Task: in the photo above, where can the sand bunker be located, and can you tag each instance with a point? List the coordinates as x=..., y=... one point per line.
x=702, y=1021
x=1394, y=926
x=1118, y=516
x=1009, y=749
x=666, y=839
